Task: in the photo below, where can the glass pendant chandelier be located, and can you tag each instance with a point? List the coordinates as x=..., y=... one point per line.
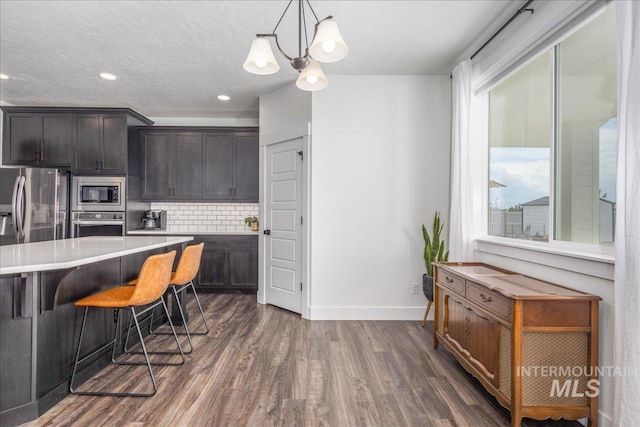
x=327, y=45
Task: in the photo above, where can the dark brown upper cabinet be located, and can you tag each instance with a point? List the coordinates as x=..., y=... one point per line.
x=218, y=170
x=101, y=144
x=247, y=178
x=85, y=140
x=231, y=166
x=37, y=139
x=172, y=165
x=207, y=164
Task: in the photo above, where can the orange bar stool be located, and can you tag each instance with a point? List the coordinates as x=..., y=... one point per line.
x=181, y=280
x=153, y=281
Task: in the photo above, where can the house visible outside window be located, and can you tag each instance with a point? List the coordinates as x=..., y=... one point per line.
x=553, y=142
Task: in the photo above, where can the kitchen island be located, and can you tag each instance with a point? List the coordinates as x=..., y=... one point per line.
x=39, y=325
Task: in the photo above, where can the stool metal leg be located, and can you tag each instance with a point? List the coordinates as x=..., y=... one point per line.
x=195, y=294
x=79, y=360
x=184, y=320
x=204, y=320
x=180, y=352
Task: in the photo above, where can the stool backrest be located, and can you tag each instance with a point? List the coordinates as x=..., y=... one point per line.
x=153, y=278
x=188, y=265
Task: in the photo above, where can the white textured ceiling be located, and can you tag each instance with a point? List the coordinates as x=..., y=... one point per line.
x=173, y=58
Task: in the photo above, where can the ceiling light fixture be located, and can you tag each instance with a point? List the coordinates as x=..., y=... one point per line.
x=108, y=76
x=224, y=97
x=327, y=45
x=4, y=76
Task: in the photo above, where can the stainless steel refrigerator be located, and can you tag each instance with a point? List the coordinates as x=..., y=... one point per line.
x=34, y=204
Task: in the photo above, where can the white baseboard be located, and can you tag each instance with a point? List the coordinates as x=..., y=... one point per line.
x=368, y=313
x=605, y=420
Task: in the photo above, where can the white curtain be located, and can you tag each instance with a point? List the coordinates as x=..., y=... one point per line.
x=468, y=153
x=627, y=269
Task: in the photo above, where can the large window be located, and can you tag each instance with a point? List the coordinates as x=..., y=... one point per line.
x=553, y=140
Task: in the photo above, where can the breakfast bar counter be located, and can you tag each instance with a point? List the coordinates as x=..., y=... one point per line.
x=39, y=324
x=67, y=253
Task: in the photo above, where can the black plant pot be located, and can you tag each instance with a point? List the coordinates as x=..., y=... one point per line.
x=427, y=286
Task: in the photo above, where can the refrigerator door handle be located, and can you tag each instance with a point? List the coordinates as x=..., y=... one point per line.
x=20, y=206
x=14, y=206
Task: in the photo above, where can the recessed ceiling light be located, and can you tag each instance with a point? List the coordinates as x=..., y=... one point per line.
x=224, y=97
x=108, y=76
x=4, y=76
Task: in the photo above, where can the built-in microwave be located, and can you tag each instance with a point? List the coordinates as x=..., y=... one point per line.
x=98, y=193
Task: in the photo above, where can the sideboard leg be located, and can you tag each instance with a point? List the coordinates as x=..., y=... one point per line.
x=426, y=313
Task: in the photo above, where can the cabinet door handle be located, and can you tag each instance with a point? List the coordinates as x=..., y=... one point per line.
x=448, y=280
x=101, y=165
x=231, y=192
x=97, y=164
x=486, y=298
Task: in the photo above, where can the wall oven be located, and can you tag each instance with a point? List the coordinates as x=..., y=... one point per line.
x=98, y=206
x=85, y=224
x=98, y=194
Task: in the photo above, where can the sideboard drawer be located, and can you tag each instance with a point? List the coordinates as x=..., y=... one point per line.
x=452, y=282
x=489, y=299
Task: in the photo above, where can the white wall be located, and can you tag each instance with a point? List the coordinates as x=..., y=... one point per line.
x=284, y=109
x=380, y=168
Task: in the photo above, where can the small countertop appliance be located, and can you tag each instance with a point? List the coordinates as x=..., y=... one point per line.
x=155, y=220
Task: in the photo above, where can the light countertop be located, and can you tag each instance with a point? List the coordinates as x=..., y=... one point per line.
x=190, y=233
x=68, y=253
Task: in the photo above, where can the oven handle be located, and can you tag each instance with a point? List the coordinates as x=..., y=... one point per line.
x=106, y=222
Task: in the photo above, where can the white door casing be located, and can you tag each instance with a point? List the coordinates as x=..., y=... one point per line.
x=284, y=220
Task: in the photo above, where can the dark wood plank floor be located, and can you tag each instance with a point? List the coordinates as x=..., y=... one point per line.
x=263, y=366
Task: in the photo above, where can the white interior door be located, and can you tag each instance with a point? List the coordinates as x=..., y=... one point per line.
x=283, y=225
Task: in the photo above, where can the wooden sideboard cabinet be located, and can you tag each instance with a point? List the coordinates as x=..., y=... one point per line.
x=532, y=344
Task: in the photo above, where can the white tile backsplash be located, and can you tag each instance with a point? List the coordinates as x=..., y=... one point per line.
x=207, y=217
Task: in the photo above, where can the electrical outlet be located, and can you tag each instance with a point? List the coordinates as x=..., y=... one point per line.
x=415, y=288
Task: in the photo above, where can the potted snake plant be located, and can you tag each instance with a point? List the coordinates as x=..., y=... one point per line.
x=434, y=251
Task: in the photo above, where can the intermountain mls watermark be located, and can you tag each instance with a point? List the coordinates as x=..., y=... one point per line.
x=569, y=381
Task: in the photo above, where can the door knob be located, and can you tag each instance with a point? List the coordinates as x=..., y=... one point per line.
x=267, y=232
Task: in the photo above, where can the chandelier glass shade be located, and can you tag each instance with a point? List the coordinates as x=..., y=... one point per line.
x=261, y=59
x=327, y=46
x=312, y=78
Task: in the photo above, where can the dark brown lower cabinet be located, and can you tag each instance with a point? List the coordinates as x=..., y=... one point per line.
x=229, y=264
x=15, y=349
